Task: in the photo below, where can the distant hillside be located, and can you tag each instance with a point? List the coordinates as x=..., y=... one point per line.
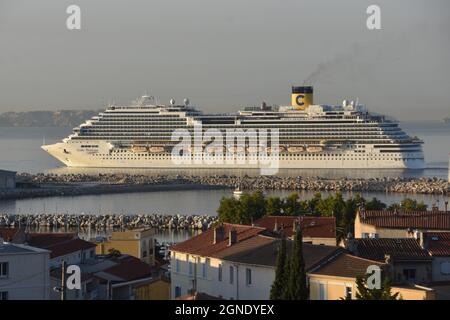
x=61, y=118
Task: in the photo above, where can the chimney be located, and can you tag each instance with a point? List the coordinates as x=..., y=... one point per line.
x=275, y=228
x=423, y=241
x=232, y=237
x=294, y=225
x=219, y=234
x=446, y=206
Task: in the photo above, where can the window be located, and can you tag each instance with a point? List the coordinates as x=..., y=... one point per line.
x=220, y=272
x=231, y=274
x=248, y=277
x=177, y=265
x=177, y=291
x=91, y=254
x=321, y=291
x=409, y=274
x=348, y=292
x=205, y=268
x=4, y=269
x=3, y=295
x=191, y=268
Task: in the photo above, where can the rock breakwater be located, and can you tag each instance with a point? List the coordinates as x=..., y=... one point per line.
x=111, y=221
x=397, y=185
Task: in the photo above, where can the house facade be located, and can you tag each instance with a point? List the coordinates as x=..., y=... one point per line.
x=138, y=243
x=24, y=272
x=233, y=262
x=336, y=280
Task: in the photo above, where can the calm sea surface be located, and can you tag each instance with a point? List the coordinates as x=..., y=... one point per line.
x=20, y=151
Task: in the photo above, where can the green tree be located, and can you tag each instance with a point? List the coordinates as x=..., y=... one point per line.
x=297, y=286
x=408, y=204
x=228, y=210
x=375, y=204
x=384, y=293
x=273, y=206
x=281, y=278
x=291, y=206
x=114, y=252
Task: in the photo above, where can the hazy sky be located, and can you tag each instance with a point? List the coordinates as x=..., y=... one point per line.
x=226, y=54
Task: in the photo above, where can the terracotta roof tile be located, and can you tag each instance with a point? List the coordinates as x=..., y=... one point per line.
x=313, y=227
x=437, y=243
x=347, y=265
x=203, y=245
x=435, y=220
x=59, y=244
x=399, y=249
x=129, y=268
x=41, y=240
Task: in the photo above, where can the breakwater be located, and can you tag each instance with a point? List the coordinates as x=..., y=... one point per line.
x=110, y=221
x=139, y=181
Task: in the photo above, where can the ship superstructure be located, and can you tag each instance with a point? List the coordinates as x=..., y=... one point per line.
x=310, y=136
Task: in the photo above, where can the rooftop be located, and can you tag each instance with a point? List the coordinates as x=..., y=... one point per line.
x=405, y=249
x=59, y=244
x=312, y=227
x=437, y=243
x=263, y=251
x=435, y=220
x=346, y=265
x=253, y=247
x=126, y=268
x=203, y=244
x=12, y=248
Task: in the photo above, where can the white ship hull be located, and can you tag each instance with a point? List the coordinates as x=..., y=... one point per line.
x=72, y=155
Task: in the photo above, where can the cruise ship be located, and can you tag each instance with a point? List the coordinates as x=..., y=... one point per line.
x=309, y=136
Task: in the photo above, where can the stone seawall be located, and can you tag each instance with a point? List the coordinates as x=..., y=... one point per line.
x=122, y=182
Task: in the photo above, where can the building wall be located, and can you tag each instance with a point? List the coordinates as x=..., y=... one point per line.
x=323, y=241
x=139, y=244
x=184, y=278
x=335, y=289
x=156, y=290
x=441, y=269
x=415, y=293
x=29, y=276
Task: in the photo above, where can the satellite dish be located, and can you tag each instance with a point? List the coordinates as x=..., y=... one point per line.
x=172, y=102
x=186, y=102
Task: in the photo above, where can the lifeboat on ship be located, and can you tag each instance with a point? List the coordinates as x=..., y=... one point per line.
x=214, y=149
x=295, y=149
x=156, y=149
x=236, y=149
x=139, y=149
x=280, y=149
x=254, y=149
x=314, y=149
